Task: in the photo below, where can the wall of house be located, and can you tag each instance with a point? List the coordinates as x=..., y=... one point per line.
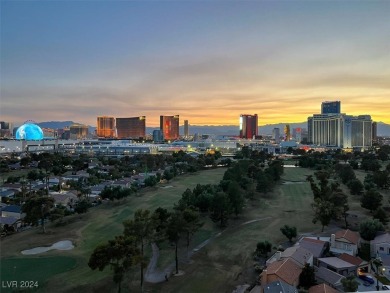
x=346, y=246
x=13, y=215
x=381, y=249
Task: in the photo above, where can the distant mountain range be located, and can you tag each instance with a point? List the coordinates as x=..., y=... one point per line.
x=383, y=128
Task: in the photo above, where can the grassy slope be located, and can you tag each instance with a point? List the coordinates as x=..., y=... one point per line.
x=87, y=231
x=218, y=267
x=227, y=259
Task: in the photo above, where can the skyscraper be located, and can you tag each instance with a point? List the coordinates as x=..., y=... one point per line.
x=105, y=127
x=132, y=127
x=331, y=107
x=186, y=132
x=297, y=134
x=78, y=131
x=169, y=125
x=248, y=126
x=158, y=136
x=5, y=129
x=276, y=134
x=374, y=131
x=340, y=130
x=287, y=132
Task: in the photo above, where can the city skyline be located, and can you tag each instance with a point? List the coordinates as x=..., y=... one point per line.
x=207, y=61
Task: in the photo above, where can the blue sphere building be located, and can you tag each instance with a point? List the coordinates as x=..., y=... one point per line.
x=29, y=131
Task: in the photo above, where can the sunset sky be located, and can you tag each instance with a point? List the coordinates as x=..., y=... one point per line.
x=208, y=61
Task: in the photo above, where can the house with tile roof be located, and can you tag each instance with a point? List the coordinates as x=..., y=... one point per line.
x=298, y=254
x=338, y=265
x=283, y=270
x=279, y=287
x=345, y=241
x=315, y=246
x=64, y=198
x=322, y=288
x=330, y=278
x=361, y=265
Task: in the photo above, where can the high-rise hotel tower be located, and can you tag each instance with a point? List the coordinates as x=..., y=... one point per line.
x=248, y=126
x=106, y=127
x=169, y=125
x=340, y=130
x=331, y=107
x=131, y=127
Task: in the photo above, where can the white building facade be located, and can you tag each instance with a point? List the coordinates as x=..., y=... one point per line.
x=340, y=130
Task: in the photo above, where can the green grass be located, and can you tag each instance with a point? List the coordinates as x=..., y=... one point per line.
x=37, y=269
x=223, y=263
x=103, y=223
x=14, y=173
x=227, y=259
x=383, y=280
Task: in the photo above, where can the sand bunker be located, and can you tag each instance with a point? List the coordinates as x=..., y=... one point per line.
x=61, y=245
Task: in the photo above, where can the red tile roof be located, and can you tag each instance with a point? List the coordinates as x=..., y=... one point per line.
x=349, y=235
x=287, y=270
x=322, y=288
x=351, y=259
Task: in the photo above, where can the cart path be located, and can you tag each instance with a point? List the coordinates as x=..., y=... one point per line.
x=154, y=275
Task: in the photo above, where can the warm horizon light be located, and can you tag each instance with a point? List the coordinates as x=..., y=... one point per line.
x=207, y=61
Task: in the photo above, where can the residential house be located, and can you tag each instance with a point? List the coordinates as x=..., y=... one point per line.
x=97, y=189
x=11, y=222
x=13, y=211
x=13, y=186
x=322, y=288
x=123, y=183
x=380, y=246
x=331, y=278
x=316, y=246
x=73, y=177
x=279, y=287
x=283, y=270
x=66, y=199
x=338, y=265
x=7, y=193
x=345, y=241
x=361, y=265
x=302, y=256
x=54, y=181
x=298, y=254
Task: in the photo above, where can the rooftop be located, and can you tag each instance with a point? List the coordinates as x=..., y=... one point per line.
x=287, y=270
x=357, y=261
x=12, y=209
x=384, y=238
x=335, y=262
x=322, y=288
x=328, y=276
x=315, y=246
x=279, y=287
x=349, y=235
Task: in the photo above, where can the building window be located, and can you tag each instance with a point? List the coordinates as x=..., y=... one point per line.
x=381, y=248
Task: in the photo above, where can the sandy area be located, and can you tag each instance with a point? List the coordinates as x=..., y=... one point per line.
x=60, y=245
